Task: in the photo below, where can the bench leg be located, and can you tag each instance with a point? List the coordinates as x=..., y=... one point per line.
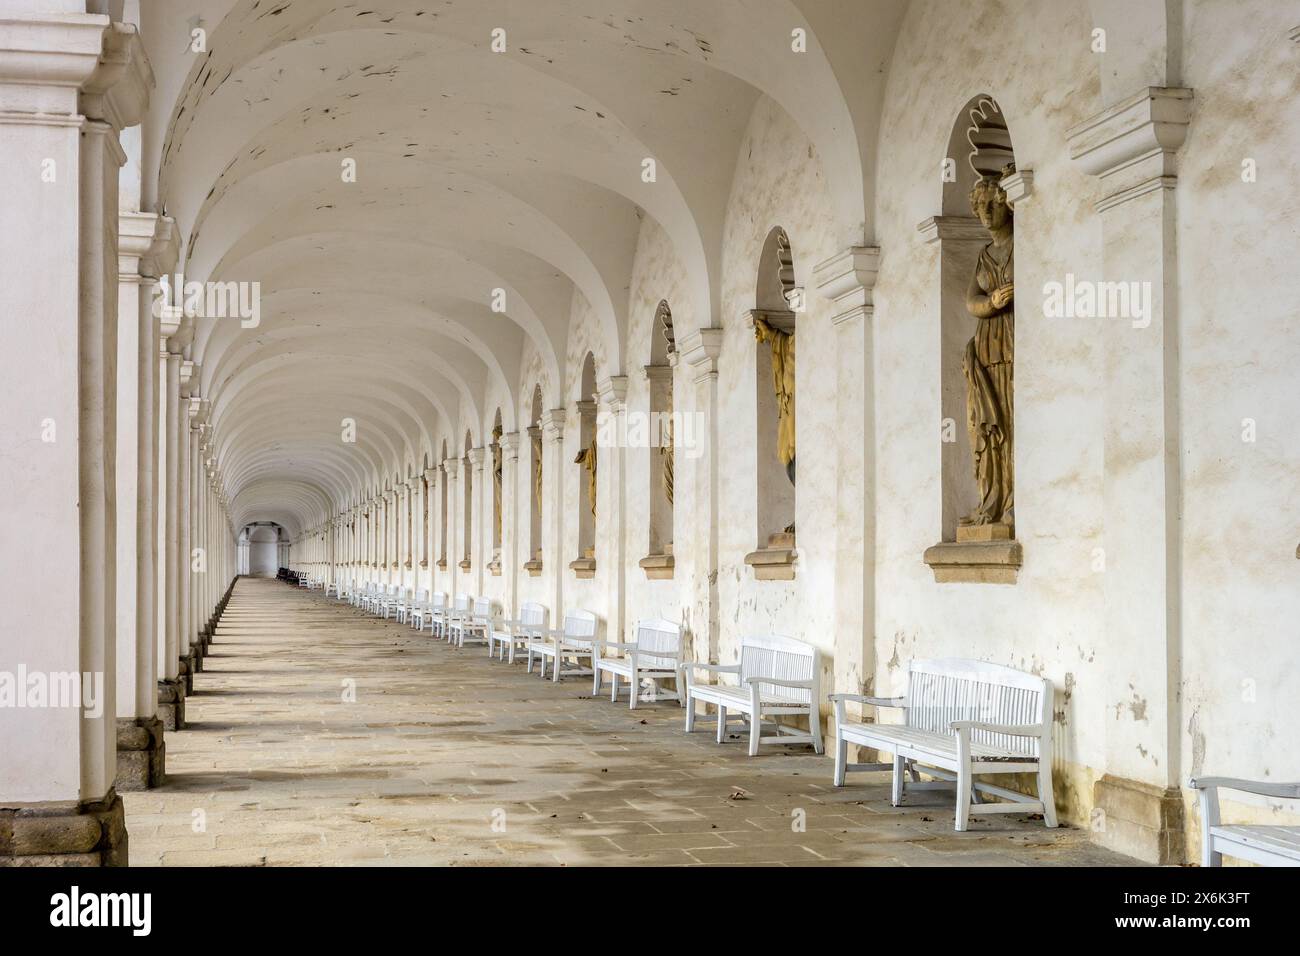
x=595, y=682
x=633, y=691
x=815, y=723
x=1045, y=792
x=841, y=759
x=755, y=733
x=897, y=789
x=690, y=713
x=722, y=723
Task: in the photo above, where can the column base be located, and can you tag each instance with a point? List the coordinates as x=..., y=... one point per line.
x=171, y=703
x=1140, y=819
x=187, y=671
x=64, y=833
x=196, y=658
x=141, y=753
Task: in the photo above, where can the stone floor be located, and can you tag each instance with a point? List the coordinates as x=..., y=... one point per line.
x=447, y=758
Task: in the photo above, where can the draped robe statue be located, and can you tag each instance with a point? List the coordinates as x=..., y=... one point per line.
x=666, y=449
x=587, y=457
x=783, y=384
x=496, y=477
x=990, y=359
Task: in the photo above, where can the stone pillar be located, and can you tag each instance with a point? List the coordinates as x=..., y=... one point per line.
x=476, y=544
x=451, y=469
x=612, y=559
x=142, y=239
x=553, y=508
x=435, y=527
x=1131, y=148
x=700, y=349
x=171, y=685
x=510, y=530
x=68, y=85
x=847, y=280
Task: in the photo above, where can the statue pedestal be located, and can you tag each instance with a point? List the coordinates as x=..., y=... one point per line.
x=974, y=561
x=657, y=567
x=776, y=561
x=969, y=534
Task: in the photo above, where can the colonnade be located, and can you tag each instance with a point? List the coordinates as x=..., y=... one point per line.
x=119, y=553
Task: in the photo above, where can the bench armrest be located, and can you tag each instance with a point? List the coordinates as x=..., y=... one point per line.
x=714, y=668
x=1284, y=791
x=1015, y=730
x=615, y=645
x=899, y=702
x=778, y=682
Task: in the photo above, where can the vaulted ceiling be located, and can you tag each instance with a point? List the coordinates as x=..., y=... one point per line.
x=475, y=171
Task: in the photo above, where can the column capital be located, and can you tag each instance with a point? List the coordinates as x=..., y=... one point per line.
x=198, y=411
x=452, y=467
x=46, y=60
x=552, y=423
x=431, y=473
x=701, y=348
x=509, y=442
x=189, y=377
x=476, y=456
x=847, y=279
x=612, y=391
x=1130, y=146
x=117, y=91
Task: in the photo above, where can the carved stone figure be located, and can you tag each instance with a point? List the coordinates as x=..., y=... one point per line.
x=496, y=478
x=990, y=360
x=535, y=434
x=587, y=457
x=666, y=449
x=782, y=344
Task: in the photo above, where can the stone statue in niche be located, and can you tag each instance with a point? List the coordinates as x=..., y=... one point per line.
x=496, y=478
x=587, y=458
x=782, y=344
x=988, y=366
x=535, y=435
x=666, y=450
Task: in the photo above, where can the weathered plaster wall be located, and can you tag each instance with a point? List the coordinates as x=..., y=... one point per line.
x=1048, y=622
x=1240, y=351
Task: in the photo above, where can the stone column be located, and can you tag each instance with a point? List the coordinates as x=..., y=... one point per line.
x=847, y=280
x=510, y=521
x=142, y=239
x=68, y=85
x=1131, y=148
x=435, y=528
x=612, y=558
x=171, y=685
x=476, y=549
x=553, y=467
x=700, y=348
x=451, y=470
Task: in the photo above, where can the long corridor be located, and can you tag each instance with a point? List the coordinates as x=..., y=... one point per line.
x=320, y=735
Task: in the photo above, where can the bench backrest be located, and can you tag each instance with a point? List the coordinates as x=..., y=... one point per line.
x=462, y=602
x=532, y=617
x=954, y=688
x=422, y=597
x=439, y=599
x=773, y=655
x=482, y=607
x=580, y=628
x=658, y=643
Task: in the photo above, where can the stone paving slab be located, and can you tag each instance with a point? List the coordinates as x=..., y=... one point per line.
x=447, y=758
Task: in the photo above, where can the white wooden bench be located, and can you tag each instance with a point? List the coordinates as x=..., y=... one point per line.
x=778, y=677
x=962, y=719
x=474, y=626
x=430, y=613
x=403, y=606
x=577, y=639
x=654, y=655
x=451, y=617
x=1264, y=844
x=505, y=637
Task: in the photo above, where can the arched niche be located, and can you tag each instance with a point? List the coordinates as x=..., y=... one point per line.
x=467, y=505
x=980, y=147
x=496, y=465
x=658, y=562
x=442, y=508
x=587, y=464
x=535, y=477
x=778, y=302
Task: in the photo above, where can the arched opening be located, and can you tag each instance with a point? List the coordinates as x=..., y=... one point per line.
x=534, y=563
x=777, y=301
x=584, y=566
x=467, y=505
x=261, y=554
x=658, y=562
x=497, y=462
x=442, y=510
